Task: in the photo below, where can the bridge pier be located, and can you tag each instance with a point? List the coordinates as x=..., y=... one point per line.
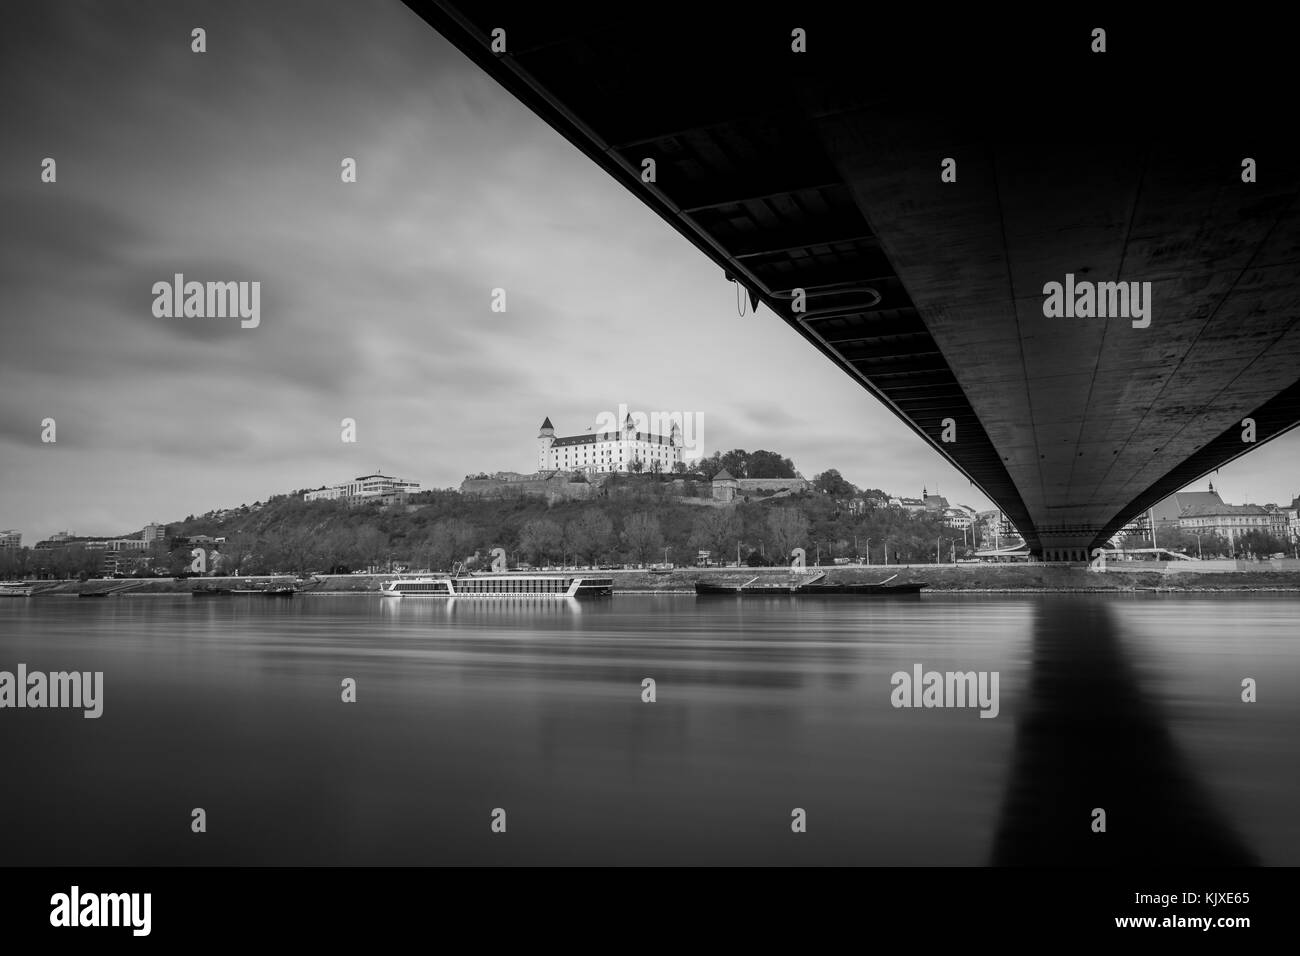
x=1065, y=555
x=1066, y=548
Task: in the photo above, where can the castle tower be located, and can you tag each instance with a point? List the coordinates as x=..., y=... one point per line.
x=724, y=486
x=545, y=439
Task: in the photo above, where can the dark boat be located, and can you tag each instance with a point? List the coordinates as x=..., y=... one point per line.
x=811, y=588
x=284, y=590
x=93, y=594
x=207, y=590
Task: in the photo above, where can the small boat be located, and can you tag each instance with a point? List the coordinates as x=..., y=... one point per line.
x=278, y=590
x=812, y=588
x=91, y=594
x=208, y=590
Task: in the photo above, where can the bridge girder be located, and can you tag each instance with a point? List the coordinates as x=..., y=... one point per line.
x=821, y=172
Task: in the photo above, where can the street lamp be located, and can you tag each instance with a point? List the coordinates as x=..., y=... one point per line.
x=868, y=552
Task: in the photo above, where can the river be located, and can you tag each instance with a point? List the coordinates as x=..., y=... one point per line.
x=1127, y=703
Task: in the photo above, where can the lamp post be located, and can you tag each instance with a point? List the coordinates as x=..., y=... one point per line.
x=868, y=551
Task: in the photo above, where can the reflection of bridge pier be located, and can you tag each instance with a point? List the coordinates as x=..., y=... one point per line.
x=1088, y=737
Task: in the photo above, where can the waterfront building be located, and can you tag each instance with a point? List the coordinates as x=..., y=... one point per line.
x=11, y=539
x=1232, y=521
x=1167, y=513
x=115, y=544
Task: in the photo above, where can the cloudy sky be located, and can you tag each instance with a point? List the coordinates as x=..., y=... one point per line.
x=375, y=299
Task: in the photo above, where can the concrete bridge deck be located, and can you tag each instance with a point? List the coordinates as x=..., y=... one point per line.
x=821, y=171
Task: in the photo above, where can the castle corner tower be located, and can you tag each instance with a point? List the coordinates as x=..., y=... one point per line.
x=545, y=439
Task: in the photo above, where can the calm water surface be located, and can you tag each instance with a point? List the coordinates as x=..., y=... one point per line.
x=1129, y=703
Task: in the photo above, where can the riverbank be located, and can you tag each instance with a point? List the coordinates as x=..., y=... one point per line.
x=1005, y=578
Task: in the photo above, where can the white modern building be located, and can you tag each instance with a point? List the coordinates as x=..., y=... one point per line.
x=11, y=539
x=623, y=451
x=366, y=486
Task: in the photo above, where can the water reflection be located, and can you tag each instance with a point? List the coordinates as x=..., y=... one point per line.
x=518, y=608
x=1090, y=736
x=761, y=706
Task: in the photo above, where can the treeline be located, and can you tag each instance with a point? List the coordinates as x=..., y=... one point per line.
x=637, y=521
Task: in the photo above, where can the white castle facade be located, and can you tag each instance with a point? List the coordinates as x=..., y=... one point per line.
x=624, y=450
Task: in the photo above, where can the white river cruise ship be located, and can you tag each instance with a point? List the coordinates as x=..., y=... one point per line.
x=501, y=585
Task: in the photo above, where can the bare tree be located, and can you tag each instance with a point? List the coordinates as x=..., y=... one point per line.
x=642, y=535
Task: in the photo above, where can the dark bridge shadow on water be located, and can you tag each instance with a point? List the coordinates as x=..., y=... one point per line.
x=1088, y=737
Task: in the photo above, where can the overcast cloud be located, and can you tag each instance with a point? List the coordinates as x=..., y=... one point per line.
x=375, y=295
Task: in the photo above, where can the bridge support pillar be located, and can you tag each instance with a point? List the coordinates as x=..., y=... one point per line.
x=1072, y=548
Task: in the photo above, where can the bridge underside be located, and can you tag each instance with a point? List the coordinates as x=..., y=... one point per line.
x=821, y=171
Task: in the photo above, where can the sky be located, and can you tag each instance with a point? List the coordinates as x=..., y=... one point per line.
x=375, y=295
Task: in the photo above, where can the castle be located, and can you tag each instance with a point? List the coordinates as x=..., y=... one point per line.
x=610, y=452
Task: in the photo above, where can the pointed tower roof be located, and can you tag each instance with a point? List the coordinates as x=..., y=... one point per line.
x=547, y=423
